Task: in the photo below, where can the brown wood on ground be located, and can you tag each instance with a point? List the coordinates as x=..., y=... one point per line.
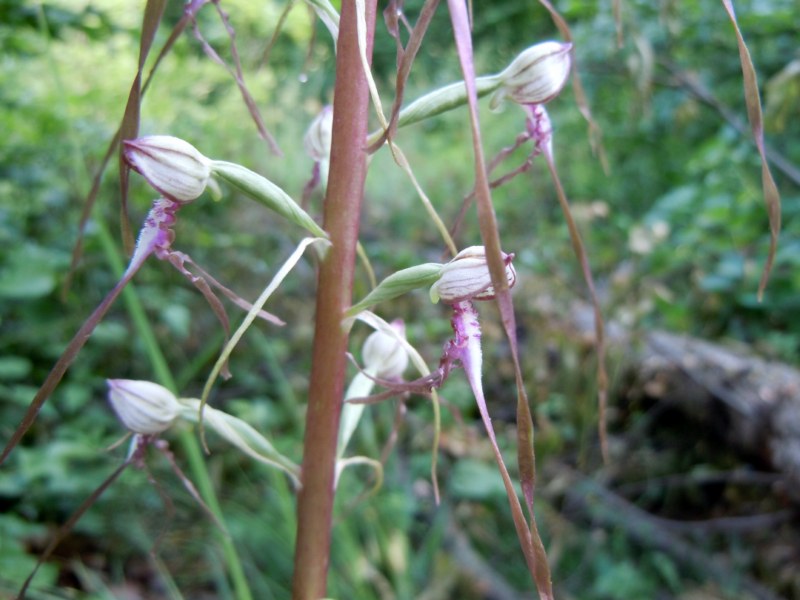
x=753, y=401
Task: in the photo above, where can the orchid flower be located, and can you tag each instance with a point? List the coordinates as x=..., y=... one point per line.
x=549, y=80
x=466, y=279
x=180, y=173
x=317, y=145
x=461, y=282
x=146, y=409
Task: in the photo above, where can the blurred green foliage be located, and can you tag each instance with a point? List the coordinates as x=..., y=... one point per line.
x=676, y=231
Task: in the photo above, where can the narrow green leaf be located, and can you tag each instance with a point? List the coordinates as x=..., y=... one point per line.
x=328, y=15
x=258, y=305
x=397, y=284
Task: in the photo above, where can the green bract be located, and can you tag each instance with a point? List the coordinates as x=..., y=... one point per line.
x=263, y=190
x=240, y=434
x=398, y=284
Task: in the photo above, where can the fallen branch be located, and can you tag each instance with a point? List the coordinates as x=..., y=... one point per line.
x=587, y=499
x=754, y=403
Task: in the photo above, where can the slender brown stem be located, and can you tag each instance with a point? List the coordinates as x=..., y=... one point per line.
x=334, y=294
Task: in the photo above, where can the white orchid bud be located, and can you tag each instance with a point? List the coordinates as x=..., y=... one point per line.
x=467, y=277
x=143, y=406
x=538, y=74
x=383, y=354
x=317, y=141
x=172, y=166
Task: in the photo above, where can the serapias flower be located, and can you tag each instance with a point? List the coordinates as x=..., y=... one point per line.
x=467, y=277
x=317, y=140
x=383, y=354
x=538, y=74
x=175, y=168
x=143, y=407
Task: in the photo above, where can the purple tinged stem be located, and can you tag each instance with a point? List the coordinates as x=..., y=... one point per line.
x=466, y=348
x=343, y=199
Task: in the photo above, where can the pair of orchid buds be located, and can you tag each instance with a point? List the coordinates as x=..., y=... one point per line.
x=178, y=171
x=149, y=409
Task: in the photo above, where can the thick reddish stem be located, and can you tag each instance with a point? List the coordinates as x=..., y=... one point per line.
x=334, y=294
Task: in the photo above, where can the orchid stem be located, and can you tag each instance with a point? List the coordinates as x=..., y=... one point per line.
x=334, y=296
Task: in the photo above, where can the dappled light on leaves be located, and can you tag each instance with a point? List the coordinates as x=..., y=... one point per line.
x=434, y=152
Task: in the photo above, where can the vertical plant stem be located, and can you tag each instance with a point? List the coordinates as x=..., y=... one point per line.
x=334, y=294
x=189, y=444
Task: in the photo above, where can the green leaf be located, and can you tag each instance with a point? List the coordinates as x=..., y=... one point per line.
x=25, y=283
x=14, y=368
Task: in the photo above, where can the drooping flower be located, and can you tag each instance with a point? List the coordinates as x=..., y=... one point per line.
x=467, y=277
x=385, y=359
x=143, y=407
x=175, y=168
x=317, y=144
x=384, y=355
x=538, y=74
x=317, y=141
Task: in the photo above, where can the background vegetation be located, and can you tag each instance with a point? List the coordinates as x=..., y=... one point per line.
x=676, y=231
